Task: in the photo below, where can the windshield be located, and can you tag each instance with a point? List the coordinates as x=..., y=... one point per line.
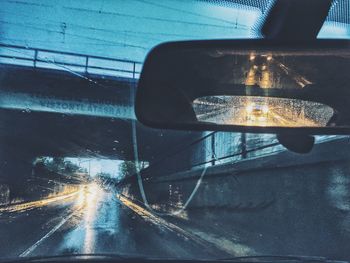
x=80, y=175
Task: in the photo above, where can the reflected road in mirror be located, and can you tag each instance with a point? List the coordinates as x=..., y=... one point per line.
x=262, y=111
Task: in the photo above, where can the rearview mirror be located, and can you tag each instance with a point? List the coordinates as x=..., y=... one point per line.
x=247, y=85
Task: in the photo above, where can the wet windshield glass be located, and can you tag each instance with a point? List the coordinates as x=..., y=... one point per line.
x=80, y=175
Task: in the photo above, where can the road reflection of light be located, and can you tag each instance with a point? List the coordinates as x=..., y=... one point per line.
x=253, y=79
x=94, y=195
x=97, y=217
x=338, y=194
x=300, y=80
x=80, y=200
x=265, y=81
x=338, y=190
x=223, y=244
x=65, y=194
x=250, y=80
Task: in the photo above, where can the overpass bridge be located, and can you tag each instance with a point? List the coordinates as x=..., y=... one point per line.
x=61, y=104
x=49, y=94
x=250, y=184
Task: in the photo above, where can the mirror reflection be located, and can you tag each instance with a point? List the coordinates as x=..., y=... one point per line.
x=262, y=111
x=223, y=86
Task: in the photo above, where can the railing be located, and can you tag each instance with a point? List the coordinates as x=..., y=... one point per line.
x=219, y=148
x=207, y=150
x=212, y=149
x=67, y=61
x=223, y=147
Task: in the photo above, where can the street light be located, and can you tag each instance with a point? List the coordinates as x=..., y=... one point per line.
x=89, y=160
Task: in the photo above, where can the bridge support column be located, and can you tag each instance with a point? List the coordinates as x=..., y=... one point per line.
x=15, y=171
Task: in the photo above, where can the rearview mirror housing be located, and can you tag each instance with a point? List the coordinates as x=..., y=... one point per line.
x=260, y=86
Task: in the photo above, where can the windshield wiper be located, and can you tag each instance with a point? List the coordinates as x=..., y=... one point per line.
x=288, y=258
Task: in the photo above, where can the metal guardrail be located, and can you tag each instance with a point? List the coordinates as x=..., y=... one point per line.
x=68, y=61
x=242, y=154
x=238, y=147
x=242, y=150
x=206, y=147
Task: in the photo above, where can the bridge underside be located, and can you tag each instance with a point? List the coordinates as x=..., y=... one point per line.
x=54, y=133
x=35, y=122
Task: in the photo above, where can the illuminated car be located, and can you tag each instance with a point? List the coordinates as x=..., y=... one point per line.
x=257, y=112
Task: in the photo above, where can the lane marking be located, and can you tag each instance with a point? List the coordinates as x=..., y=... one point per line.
x=36, y=204
x=156, y=220
x=41, y=240
x=230, y=247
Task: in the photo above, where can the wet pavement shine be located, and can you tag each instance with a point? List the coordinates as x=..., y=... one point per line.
x=93, y=220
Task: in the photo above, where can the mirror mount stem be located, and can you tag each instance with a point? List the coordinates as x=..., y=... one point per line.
x=297, y=143
x=295, y=19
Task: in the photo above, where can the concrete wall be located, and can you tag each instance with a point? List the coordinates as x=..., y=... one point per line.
x=278, y=204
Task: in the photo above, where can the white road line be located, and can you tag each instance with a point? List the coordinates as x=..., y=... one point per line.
x=35, y=204
x=157, y=220
x=41, y=240
x=204, y=239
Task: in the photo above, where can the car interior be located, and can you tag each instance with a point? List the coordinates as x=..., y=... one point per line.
x=175, y=131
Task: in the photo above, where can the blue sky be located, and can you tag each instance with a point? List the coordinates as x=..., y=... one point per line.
x=118, y=28
x=126, y=29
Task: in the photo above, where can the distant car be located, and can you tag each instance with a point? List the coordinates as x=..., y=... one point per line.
x=257, y=112
x=260, y=63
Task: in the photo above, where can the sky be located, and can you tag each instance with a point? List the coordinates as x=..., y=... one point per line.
x=98, y=165
x=119, y=28
x=126, y=29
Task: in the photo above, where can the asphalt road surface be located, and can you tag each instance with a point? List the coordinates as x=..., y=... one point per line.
x=292, y=211
x=93, y=220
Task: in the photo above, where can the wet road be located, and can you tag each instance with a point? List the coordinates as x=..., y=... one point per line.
x=298, y=210
x=92, y=220
x=280, y=112
x=239, y=116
